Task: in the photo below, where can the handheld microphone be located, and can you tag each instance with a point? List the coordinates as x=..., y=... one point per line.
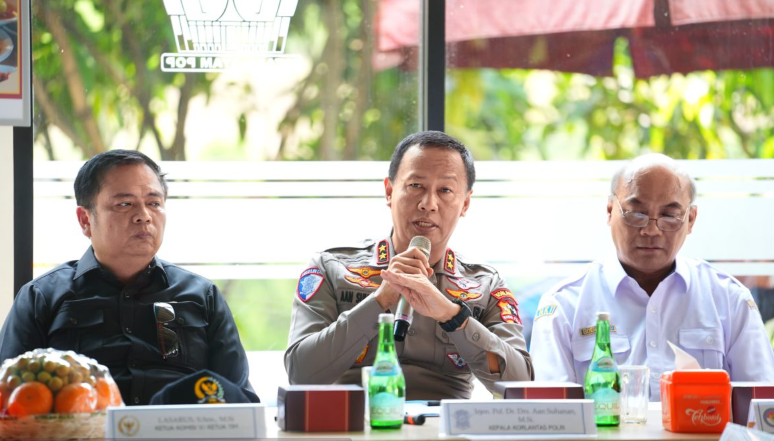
x=405, y=313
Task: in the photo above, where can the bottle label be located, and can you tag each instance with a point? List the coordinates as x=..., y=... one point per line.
x=606, y=402
x=604, y=364
x=385, y=406
x=385, y=368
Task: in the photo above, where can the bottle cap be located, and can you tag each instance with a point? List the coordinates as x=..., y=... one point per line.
x=386, y=318
x=605, y=316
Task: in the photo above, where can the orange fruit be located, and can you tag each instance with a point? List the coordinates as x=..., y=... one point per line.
x=76, y=398
x=107, y=393
x=32, y=398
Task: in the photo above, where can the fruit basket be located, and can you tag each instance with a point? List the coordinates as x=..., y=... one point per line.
x=51, y=394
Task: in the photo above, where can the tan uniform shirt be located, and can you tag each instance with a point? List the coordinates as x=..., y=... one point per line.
x=334, y=330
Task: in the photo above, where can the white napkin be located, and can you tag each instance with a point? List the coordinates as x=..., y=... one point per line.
x=683, y=360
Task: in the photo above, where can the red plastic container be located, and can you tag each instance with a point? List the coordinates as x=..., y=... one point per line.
x=695, y=401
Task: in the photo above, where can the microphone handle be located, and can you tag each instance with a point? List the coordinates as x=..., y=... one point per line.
x=403, y=318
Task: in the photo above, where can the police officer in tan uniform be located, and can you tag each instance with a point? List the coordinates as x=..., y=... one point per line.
x=466, y=321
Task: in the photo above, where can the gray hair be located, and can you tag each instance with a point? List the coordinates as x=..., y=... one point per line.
x=629, y=170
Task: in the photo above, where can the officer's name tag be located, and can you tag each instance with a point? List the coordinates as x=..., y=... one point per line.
x=215, y=421
x=761, y=415
x=517, y=417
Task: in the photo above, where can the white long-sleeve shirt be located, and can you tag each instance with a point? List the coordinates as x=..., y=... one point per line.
x=706, y=312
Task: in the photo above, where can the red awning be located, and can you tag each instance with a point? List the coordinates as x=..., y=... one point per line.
x=578, y=36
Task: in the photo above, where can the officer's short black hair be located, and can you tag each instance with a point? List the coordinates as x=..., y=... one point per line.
x=88, y=183
x=432, y=138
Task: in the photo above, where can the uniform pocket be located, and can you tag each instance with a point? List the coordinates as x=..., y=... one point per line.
x=705, y=345
x=583, y=349
x=77, y=329
x=190, y=325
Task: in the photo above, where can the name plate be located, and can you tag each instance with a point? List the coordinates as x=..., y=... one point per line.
x=761, y=415
x=215, y=421
x=517, y=417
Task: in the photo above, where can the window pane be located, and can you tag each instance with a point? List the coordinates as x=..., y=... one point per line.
x=227, y=97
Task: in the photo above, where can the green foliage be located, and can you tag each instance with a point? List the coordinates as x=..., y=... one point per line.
x=261, y=310
x=512, y=114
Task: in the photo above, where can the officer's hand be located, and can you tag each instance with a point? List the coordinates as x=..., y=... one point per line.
x=422, y=295
x=411, y=261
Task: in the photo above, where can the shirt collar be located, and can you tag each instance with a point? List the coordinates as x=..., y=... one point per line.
x=614, y=273
x=88, y=263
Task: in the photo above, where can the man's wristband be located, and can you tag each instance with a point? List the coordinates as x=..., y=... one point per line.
x=455, y=322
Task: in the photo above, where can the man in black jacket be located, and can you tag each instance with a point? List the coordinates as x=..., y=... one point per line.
x=149, y=321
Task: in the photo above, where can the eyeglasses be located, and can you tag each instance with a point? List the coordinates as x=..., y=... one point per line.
x=641, y=220
x=169, y=343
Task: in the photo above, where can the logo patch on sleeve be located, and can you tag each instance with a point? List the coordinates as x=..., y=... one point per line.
x=464, y=284
x=309, y=283
x=545, y=311
x=383, y=252
x=451, y=261
x=463, y=295
x=509, y=312
x=458, y=361
x=752, y=305
x=503, y=293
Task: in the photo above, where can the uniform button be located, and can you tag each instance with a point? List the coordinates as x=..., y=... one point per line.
x=73, y=320
x=128, y=330
x=136, y=400
x=412, y=332
x=710, y=340
x=653, y=310
x=652, y=344
x=444, y=336
x=181, y=320
x=476, y=336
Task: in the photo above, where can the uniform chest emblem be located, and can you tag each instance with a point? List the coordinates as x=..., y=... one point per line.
x=450, y=262
x=458, y=361
x=365, y=274
x=361, y=281
x=383, y=252
x=463, y=295
x=309, y=283
x=463, y=283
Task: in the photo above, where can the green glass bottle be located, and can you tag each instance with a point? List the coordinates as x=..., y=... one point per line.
x=386, y=386
x=603, y=381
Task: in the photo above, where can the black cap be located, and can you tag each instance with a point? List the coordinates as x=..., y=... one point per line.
x=203, y=387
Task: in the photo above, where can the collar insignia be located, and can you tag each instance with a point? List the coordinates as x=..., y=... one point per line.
x=383, y=252
x=450, y=262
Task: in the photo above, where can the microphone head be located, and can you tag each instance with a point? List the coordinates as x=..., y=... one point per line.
x=422, y=243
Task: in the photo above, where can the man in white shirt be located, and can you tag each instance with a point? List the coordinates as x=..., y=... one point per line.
x=653, y=295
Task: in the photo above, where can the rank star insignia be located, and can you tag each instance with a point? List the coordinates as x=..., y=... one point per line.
x=365, y=271
x=383, y=252
x=463, y=295
x=361, y=281
x=450, y=260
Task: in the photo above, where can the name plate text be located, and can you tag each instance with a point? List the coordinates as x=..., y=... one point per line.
x=517, y=417
x=215, y=421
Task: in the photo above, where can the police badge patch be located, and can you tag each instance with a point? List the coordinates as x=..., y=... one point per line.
x=309, y=283
x=458, y=361
x=508, y=310
x=463, y=284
